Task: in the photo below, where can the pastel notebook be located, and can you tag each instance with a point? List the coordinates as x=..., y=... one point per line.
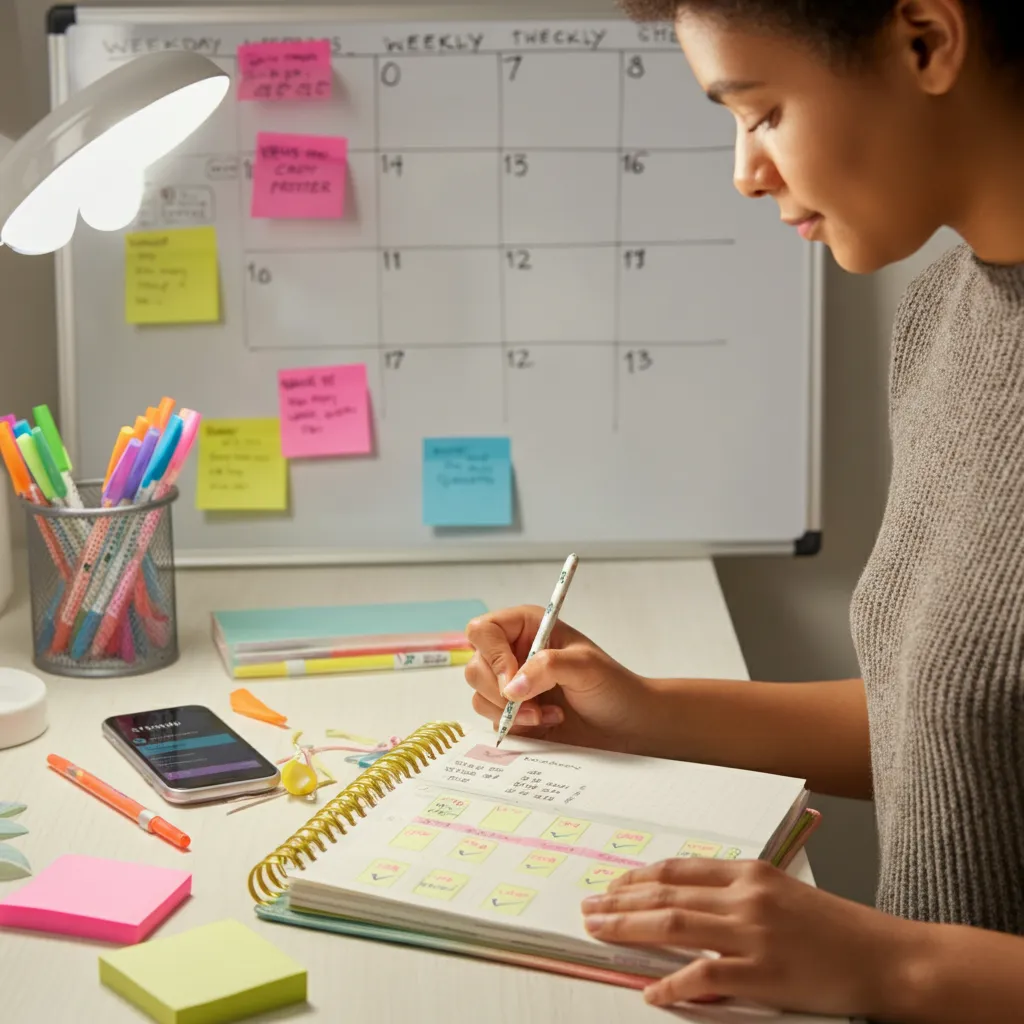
x=268, y=642
x=218, y=972
x=96, y=898
x=450, y=844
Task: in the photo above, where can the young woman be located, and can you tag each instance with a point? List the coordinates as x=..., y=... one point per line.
x=871, y=123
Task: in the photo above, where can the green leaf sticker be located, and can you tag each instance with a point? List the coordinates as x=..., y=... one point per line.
x=8, y=809
x=12, y=864
x=9, y=829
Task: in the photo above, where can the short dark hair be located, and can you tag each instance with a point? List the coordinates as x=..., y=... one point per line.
x=845, y=29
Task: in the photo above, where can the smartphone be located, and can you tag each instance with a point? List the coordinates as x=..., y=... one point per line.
x=189, y=755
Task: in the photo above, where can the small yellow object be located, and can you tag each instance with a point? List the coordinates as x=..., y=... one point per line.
x=298, y=778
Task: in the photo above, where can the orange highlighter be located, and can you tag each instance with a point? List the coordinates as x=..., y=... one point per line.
x=146, y=820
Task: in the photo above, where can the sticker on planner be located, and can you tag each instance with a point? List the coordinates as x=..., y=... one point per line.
x=626, y=841
x=698, y=848
x=599, y=875
x=511, y=900
x=441, y=885
x=541, y=862
x=505, y=818
x=562, y=829
x=473, y=850
x=414, y=837
x=492, y=755
x=732, y=853
x=383, y=873
x=446, y=807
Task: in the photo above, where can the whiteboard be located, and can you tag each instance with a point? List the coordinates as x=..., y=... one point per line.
x=541, y=242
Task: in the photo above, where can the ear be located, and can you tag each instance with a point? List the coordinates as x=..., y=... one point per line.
x=931, y=37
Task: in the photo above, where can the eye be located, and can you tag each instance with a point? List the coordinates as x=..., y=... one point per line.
x=770, y=120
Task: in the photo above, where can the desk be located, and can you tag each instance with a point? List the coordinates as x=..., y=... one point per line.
x=660, y=618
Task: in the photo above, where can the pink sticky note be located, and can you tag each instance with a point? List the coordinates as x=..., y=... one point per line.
x=325, y=410
x=285, y=71
x=95, y=898
x=299, y=176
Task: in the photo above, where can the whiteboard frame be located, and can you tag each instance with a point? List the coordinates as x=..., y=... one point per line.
x=498, y=552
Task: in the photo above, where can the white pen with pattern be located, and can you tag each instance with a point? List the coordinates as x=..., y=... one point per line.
x=543, y=637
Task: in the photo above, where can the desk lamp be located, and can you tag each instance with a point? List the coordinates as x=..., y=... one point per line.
x=89, y=155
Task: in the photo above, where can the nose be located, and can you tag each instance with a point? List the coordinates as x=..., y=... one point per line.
x=754, y=174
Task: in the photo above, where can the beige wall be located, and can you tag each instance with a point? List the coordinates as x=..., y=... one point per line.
x=791, y=614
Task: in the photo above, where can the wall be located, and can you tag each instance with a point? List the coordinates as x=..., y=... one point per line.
x=791, y=615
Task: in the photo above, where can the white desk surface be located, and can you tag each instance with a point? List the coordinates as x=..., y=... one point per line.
x=663, y=618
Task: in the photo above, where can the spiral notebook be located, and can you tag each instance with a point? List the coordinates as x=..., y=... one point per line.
x=451, y=844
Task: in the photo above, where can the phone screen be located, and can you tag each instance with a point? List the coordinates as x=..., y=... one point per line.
x=190, y=747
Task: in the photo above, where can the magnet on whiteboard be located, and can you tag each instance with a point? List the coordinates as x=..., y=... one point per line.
x=22, y=707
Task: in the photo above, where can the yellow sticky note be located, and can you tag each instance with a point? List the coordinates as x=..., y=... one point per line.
x=170, y=277
x=441, y=885
x=241, y=467
x=565, y=829
x=627, y=841
x=505, y=818
x=414, y=837
x=383, y=873
x=541, y=862
x=446, y=807
x=698, y=848
x=511, y=900
x=599, y=875
x=474, y=850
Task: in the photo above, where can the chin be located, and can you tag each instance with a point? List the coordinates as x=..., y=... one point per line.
x=858, y=259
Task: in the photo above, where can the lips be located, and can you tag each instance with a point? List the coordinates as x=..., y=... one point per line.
x=806, y=226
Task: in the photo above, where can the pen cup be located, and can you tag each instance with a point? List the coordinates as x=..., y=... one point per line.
x=102, y=586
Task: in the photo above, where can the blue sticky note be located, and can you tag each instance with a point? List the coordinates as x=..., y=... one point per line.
x=467, y=481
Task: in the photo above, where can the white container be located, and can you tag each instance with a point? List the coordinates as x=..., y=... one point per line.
x=6, y=554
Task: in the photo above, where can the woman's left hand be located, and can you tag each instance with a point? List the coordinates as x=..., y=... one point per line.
x=781, y=942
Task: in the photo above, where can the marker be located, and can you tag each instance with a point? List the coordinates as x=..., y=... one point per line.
x=46, y=424
x=124, y=435
x=163, y=412
x=148, y=821
x=22, y=427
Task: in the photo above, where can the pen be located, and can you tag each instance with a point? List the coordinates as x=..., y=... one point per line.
x=45, y=423
x=540, y=641
x=124, y=435
x=146, y=820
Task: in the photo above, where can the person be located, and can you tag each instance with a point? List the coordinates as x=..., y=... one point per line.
x=871, y=123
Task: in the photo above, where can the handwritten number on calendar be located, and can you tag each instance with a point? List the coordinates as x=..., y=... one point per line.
x=633, y=163
x=638, y=360
x=393, y=359
x=518, y=259
x=514, y=63
x=392, y=259
x=390, y=74
x=519, y=359
x=392, y=164
x=635, y=259
x=635, y=68
x=517, y=165
x=259, y=275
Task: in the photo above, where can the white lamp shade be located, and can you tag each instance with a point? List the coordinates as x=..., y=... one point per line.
x=89, y=155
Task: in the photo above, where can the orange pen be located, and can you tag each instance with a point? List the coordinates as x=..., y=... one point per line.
x=124, y=435
x=141, y=427
x=146, y=820
x=163, y=413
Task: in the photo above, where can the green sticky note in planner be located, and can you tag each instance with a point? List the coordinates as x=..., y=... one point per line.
x=218, y=972
x=467, y=481
x=241, y=468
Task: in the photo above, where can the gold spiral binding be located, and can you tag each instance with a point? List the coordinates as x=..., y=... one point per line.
x=268, y=880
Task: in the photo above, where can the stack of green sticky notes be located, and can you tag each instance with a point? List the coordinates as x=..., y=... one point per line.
x=218, y=972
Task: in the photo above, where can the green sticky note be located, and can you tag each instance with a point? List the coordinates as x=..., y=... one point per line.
x=241, y=468
x=171, y=277
x=218, y=972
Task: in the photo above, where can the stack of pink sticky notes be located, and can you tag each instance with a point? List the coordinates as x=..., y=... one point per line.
x=95, y=898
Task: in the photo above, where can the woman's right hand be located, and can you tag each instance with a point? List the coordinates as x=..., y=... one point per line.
x=571, y=692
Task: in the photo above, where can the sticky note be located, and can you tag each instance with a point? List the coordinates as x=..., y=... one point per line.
x=299, y=177
x=383, y=873
x=474, y=851
x=563, y=829
x=505, y=818
x=447, y=807
x=541, y=862
x=698, y=848
x=241, y=467
x=414, y=837
x=467, y=481
x=298, y=70
x=627, y=841
x=96, y=898
x=217, y=972
x=441, y=885
x=171, y=277
x=511, y=900
x=325, y=410
x=598, y=877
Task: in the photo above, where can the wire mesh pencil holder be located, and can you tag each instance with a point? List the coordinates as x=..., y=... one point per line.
x=102, y=586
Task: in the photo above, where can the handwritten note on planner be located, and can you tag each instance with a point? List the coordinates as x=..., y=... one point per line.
x=241, y=468
x=170, y=277
x=299, y=70
x=299, y=177
x=467, y=481
x=324, y=411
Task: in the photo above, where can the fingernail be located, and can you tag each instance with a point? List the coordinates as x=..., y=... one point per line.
x=550, y=714
x=502, y=680
x=595, y=922
x=528, y=716
x=592, y=903
x=652, y=994
x=518, y=688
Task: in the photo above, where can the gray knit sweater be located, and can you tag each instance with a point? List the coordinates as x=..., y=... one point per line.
x=938, y=615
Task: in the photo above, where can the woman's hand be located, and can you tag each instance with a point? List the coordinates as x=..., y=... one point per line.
x=572, y=692
x=780, y=942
